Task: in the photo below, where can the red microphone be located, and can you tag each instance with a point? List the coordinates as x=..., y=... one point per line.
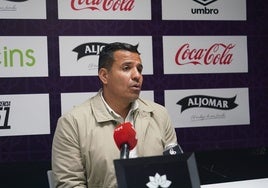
x=125, y=139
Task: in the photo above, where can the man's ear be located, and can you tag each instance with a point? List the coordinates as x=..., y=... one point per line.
x=103, y=75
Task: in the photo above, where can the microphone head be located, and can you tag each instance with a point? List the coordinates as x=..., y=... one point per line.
x=125, y=134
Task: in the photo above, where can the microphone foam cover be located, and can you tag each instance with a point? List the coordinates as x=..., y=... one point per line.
x=125, y=134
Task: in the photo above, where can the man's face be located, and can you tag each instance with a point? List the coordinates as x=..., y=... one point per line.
x=124, y=80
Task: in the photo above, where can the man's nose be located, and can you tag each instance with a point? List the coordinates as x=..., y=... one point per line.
x=136, y=74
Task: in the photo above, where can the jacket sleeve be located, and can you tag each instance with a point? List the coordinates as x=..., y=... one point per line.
x=169, y=130
x=67, y=164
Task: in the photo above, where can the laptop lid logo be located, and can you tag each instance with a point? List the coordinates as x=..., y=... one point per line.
x=158, y=181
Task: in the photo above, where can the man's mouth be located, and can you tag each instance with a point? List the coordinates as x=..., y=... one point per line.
x=136, y=86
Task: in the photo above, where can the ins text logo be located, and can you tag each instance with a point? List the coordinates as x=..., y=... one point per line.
x=17, y=57
x=103, y=5
x=204, y=10
x=4, y=114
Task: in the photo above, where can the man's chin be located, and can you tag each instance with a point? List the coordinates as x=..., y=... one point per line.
x=135, y=97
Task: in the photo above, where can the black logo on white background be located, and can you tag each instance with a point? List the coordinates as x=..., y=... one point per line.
x=92, y=48
x=205, y=2
x=203, y=101
x=4, y=114
x=205, y=10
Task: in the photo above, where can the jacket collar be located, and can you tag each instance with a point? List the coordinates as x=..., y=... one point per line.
x=102, y=114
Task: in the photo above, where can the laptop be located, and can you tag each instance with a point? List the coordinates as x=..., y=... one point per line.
x=169, y=171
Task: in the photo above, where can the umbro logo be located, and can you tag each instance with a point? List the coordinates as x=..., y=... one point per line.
x=205, y=2
x=205, y=10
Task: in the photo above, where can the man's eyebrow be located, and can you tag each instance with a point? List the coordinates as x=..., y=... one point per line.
x=130, y=63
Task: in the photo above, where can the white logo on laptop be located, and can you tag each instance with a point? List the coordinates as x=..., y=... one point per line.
x=157, y=181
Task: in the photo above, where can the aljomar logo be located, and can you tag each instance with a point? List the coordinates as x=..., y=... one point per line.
x=4, y=114
x=93, y=48
x=204, y=10
x=17, y=57
x=198, y=101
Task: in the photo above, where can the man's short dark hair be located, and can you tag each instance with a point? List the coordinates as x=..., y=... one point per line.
x=106, y=56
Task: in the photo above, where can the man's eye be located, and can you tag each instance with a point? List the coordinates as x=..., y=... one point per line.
x=140, y=68
x=125, y=68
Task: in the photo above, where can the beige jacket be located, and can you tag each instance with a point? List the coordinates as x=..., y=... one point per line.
x=83, y=147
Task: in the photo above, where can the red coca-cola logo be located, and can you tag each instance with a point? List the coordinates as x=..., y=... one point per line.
x=106, y=5
x=216, y=54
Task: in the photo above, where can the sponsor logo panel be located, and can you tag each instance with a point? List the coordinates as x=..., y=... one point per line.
x=23, y=56
x=204, y=10
x=79, y=55
x=22, y=9
x=208, y=107
x=205, y=54
x=70, y=100
x=24, y=114
x=105, y=9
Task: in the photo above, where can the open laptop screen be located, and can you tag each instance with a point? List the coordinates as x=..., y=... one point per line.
x=158, y=171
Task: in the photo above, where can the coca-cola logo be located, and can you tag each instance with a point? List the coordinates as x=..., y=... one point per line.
x=105, y=5
x=216, y=54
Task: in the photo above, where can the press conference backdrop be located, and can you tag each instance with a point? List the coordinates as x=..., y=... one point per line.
x=206, y=61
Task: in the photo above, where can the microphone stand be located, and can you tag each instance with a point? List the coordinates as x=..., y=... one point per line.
x=124, y=152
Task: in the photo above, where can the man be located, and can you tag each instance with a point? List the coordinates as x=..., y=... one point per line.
x=83, y=146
